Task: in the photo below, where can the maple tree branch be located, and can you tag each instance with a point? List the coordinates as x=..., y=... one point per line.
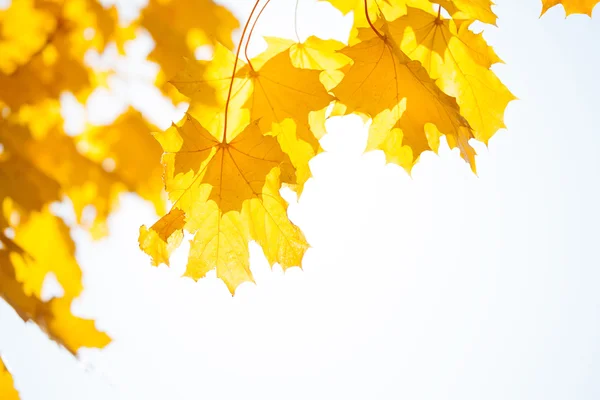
x=382, y=37
x=235, y=63
x=251, y=32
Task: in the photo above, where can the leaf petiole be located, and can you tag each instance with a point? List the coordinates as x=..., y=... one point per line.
x=235, y=63
x=381, y=36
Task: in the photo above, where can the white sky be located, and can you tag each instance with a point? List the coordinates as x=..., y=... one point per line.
x=441, y=286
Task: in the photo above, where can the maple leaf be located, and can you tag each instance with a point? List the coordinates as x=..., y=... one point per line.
x=319, y=55
x=276, y=93
x=229, y=191
x=571, y=6
x=459, y=61
x=284, y=93
x=314, y=53
x=7, y=388
x=24, y=264
x=383, y=78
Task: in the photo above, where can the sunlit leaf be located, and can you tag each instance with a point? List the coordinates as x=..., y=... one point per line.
x=7, y=388
x=571, y=6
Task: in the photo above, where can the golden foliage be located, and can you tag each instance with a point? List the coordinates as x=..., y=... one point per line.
x=56, y=36
x=229, y=189
x=180, y=26
x=415, y=73
x=42, y=245
x=7, y=389
x=43, y=48
x=252, y=127
x=571, y=6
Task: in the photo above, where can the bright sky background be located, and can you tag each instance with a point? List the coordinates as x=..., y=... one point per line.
x=440, y=286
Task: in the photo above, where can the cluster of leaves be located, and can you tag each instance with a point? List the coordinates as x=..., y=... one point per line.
x=7, y=389
x=412, y=67
x=43, y=47
x=415, y=68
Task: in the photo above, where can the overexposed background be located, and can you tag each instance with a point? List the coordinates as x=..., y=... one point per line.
x=441, y=286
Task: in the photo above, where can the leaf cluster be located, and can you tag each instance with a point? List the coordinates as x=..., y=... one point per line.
x=414, y=68
x=44, y=54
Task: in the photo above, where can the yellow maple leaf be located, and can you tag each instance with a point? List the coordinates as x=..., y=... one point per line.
x=279, y=95
x=228, y=188
x=320, y=55
x=281, y=102
x=459, y=61
x=383, y=78
x=571, y=6
x=314, y=53
x=25, y=262
x=7, y=388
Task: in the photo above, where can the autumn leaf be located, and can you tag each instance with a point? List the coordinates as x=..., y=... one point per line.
x=7, y=388
x=319, y=55
x=459, y=61
x=383, y=78
x=277, y=94
x=284, y=93
x=43, y=45
x=229, y=191
x=571, y=6
x=25, y=262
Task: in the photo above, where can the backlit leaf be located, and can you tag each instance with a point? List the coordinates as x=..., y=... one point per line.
x=382, y=78
x=229, y=192
x=41, y=245
x=458, y=60
x=7, y=388
x=571, y=6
